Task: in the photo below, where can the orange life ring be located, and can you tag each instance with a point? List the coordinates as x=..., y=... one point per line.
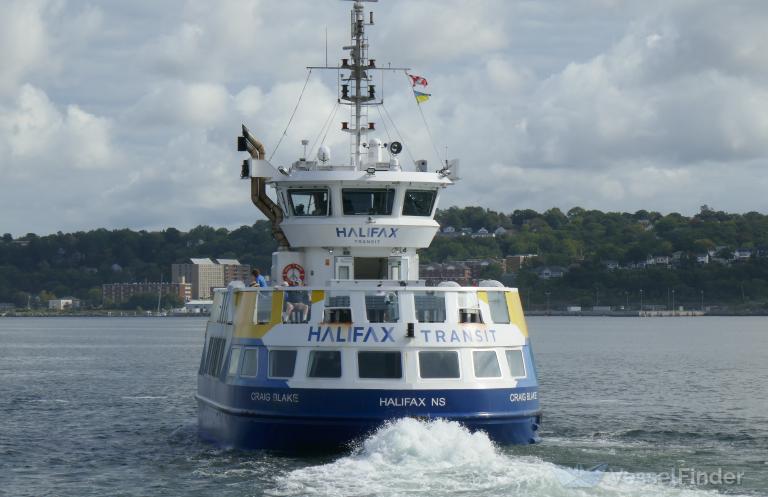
x=293, y=272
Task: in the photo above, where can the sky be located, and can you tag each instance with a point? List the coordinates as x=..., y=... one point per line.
x=124, y=114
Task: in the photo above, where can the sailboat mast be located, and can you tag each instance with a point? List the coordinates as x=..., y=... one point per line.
x=159, y=293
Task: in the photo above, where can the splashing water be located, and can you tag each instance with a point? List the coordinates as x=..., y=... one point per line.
x=441, y=458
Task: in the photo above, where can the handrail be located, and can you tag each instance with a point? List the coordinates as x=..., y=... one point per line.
x=394, y=288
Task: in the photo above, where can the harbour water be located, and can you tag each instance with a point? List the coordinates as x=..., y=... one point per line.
x=661, y=406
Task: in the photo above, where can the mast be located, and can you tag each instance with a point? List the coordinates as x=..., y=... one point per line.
x=358, y=76
x=356, y=88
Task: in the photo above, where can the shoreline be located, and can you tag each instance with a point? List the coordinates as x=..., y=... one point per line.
x=614, y=314
x=648, y=314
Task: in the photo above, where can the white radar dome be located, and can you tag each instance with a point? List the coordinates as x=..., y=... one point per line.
x=324, y=153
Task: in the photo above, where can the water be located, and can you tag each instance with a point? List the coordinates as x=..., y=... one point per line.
x=105, y=407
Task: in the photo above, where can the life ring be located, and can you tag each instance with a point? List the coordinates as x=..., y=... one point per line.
x=293, y=273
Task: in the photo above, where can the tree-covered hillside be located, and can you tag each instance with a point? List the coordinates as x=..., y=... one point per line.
x=583, y=242
x=587, y=242
x=77, y=264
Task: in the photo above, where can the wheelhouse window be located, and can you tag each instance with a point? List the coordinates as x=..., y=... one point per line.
x=282, y=363
x=234, y=361
x=419, y=202
x=379, y=365
x=324, y=364
x=497, y=301
x=486, y=364
x=439, y=364
x=515, y=363
x=367, y=201
x=250, y=362
x=382, y=307
x=309, y=202
x=430, y=307
x=469, y=308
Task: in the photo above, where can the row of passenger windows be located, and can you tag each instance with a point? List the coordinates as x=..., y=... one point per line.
x=433, y=364
x=360, y=202
x=383, y=307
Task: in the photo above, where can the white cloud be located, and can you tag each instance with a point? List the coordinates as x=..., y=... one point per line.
x=601, y=103
x=249, y=101
x=36, y=133
x=184, y=104
x=447, y=30
x=651, y=97
x=23, y=41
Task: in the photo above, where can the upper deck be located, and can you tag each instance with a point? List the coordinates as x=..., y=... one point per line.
x=361, y=220
x=334, y=208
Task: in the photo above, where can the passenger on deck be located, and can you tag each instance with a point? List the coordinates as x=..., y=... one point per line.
x=258, y=279
x=296, y=300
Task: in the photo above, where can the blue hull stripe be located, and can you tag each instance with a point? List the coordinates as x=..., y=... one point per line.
x=314, y=419
x=321, y=435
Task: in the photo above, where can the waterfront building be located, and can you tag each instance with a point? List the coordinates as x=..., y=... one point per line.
x=64, y=304
x=119, y=293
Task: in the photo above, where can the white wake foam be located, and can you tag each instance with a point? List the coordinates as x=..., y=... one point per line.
x=442, y=458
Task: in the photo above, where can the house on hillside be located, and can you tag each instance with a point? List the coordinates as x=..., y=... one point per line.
x=548, y=272
x=515, y=262
x=483, y=233
x=742, y=254
x=435, y=272
x=702, y=258
x=611, y=265
x=658, y=260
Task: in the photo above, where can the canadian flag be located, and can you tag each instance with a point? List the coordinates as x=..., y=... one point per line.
x=418, y=80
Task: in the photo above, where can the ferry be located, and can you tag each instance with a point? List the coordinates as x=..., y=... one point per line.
x=349, y=336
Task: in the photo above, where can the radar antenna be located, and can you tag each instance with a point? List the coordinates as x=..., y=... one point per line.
x=356, y=90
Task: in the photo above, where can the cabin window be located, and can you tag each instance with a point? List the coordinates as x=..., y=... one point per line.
x=497, y=302
x=382, y=307
x=225, y=311
x=469, y=308
x=234, y=361
x=337, y=309
x=439, y=364
x=343, y=273
x=367, y=201
x=296, y=306
x=379, y=365
x=430, y=307
x=515, y=363
x=486, y=364
x=214, y=358
x=419, y=202
x=324, y=364
x=262, y=313
x=250, y=362
x=282, y=363
x=309, y=202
